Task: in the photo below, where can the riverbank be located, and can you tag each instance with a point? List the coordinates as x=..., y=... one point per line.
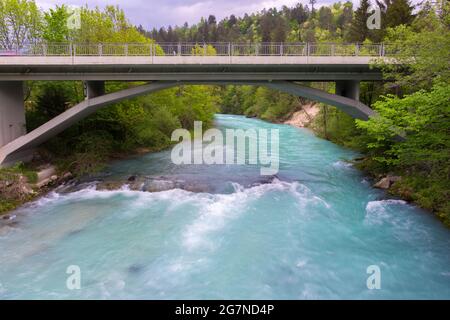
x=405, y=185
x=24, y=183
x=304, y=117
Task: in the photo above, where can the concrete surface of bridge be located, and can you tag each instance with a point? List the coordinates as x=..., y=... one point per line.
x=279, y=67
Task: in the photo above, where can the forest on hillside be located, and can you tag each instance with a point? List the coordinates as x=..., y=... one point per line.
x=413, y=101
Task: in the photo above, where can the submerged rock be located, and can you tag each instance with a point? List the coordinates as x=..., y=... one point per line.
x=158, y=185
x=109, y=185
x=164, y=183
x=74, y=232
x=135, y=268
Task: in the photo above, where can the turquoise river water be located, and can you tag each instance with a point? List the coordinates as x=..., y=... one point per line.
x=311, y=232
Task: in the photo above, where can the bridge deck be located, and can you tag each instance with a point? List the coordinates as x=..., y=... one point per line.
x=299, y=68
x=191, y=61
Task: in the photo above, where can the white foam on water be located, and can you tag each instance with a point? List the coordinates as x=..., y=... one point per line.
x=301, y=263
x=376, y=211
x=2, y=290
x=342, y=164
x=47, y=199
x=305, y=197
x=218, y=210
x=381, y=204
x=113, y=286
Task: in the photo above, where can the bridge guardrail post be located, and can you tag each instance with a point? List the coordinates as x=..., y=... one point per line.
x=100, y=49
x=356, y=49
x=382, y=50
x=231, y=46
x=126, y=49
x=281, y=49
x=179, y=49
x=44, y=49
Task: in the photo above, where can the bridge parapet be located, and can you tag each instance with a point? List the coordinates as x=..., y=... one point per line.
x=199, y=49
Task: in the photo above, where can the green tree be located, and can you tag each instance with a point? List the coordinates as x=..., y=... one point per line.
x=20, y=23
x=358, y=31
x=326, y=18
x=424, y=156
x=109, y=25
x=421, y=51
x=55, y=26
x=396, y=12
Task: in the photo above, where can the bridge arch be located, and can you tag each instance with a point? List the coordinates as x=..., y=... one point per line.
x=21, y=146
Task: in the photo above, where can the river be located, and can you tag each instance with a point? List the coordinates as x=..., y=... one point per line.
x=311, y=232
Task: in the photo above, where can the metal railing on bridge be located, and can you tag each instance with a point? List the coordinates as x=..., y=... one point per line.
x=198, y=49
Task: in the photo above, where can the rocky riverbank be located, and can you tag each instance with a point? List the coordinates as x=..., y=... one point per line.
x=19, y=185
x=304, y=117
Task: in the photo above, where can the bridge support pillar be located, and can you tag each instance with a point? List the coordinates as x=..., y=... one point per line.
x=348, y=89
x=12, y=111
x=94, y=89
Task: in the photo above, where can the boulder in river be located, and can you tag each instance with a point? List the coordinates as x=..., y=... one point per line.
x=386, y=182
x=109, y=185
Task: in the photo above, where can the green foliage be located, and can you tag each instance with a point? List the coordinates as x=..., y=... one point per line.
x=258, y=102
x=424, y=157
x=396, y=12
x=358, y=30
x=429, y=191
x=49, y=99
x=424, y=117
x=295, y=24
x=202, y=50
x=146, y=121
x=424, y=47
x=108, y=25
x=90, y=151
x=18, y=168
x=55, y=26
x=7, y=205
x=339, y=127
x=20, y=23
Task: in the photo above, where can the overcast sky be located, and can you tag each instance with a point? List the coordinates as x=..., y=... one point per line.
x=158, y=13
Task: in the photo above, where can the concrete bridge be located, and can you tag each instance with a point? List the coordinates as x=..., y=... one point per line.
x=277, y=66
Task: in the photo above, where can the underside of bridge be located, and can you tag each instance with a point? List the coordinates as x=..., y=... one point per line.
x=16, y=145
